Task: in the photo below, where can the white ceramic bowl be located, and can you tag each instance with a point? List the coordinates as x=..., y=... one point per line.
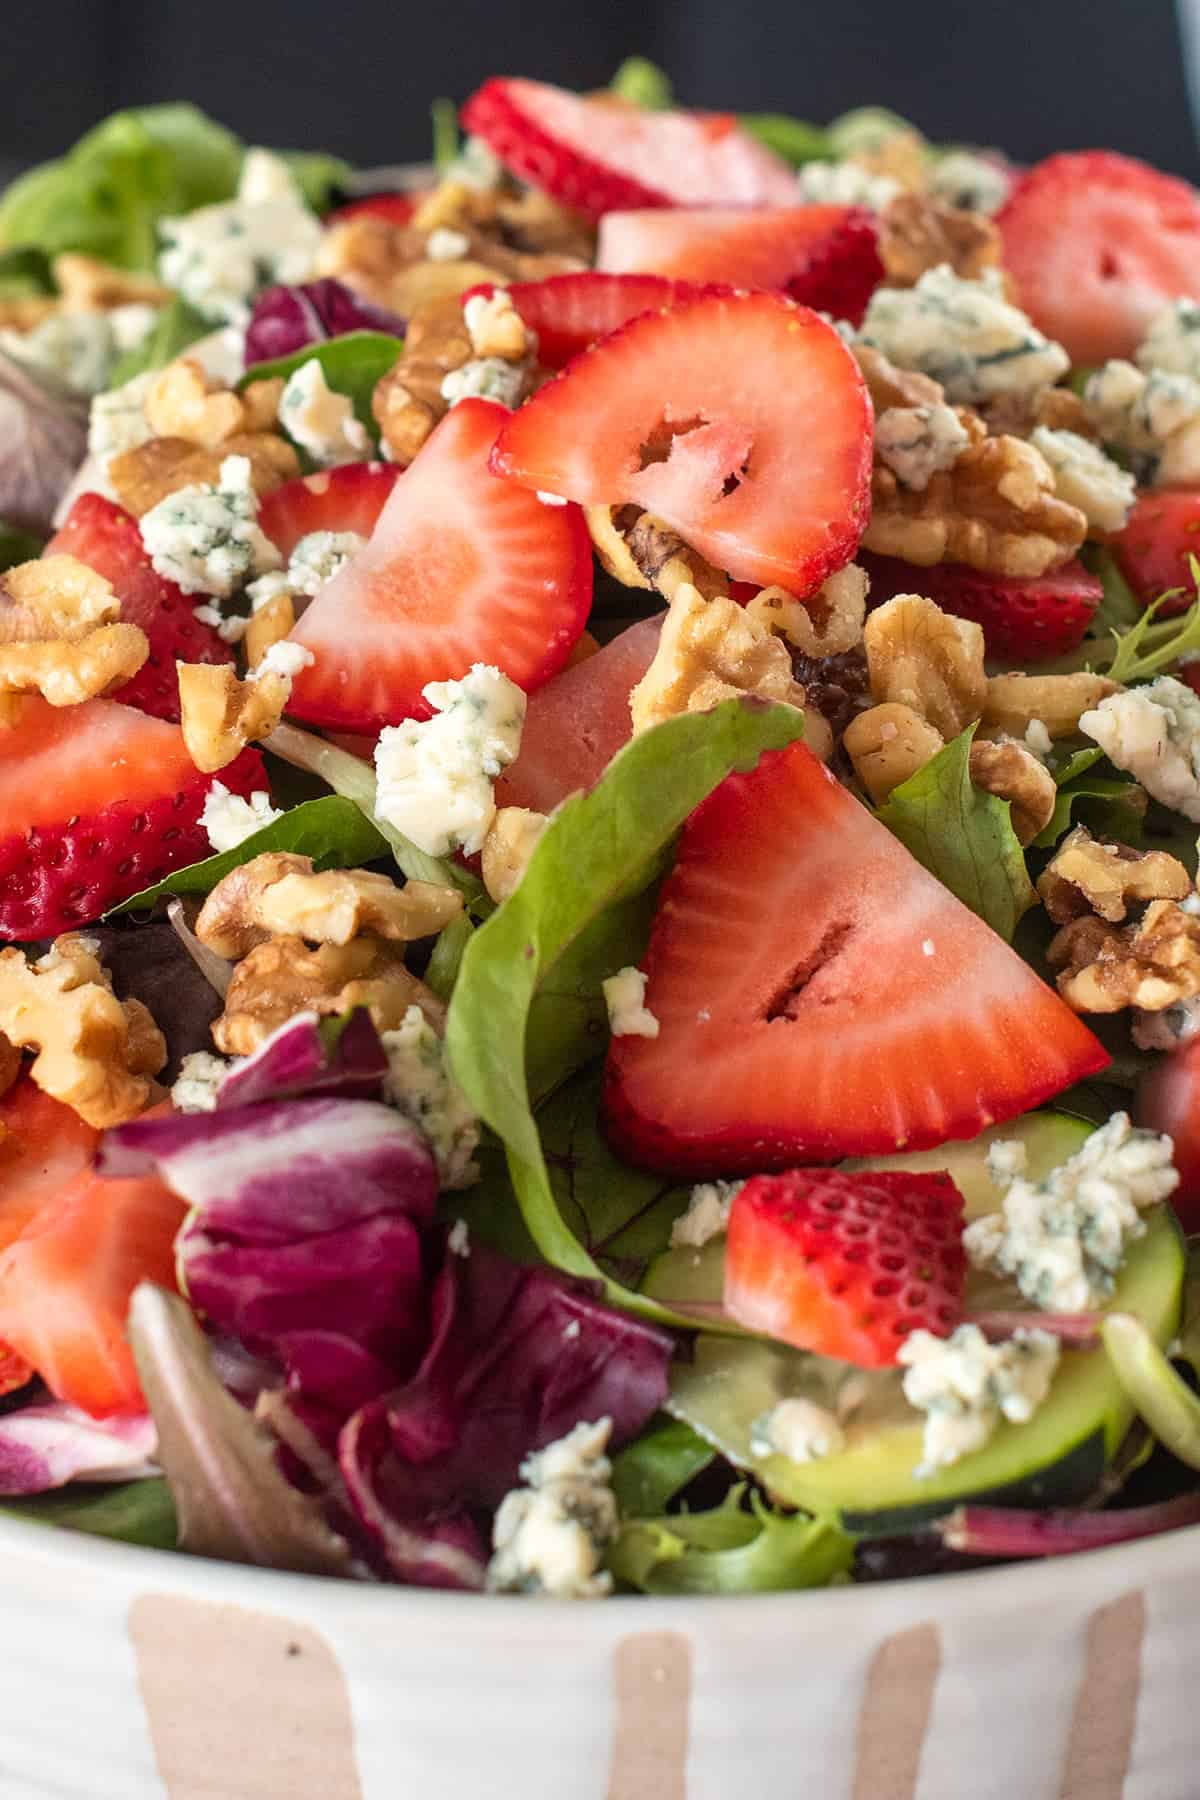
x=126, y=1674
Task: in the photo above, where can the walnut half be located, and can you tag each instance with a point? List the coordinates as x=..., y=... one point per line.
x=1150, y=965
x=279, y=895
x=1086, y=876
x=283, y=976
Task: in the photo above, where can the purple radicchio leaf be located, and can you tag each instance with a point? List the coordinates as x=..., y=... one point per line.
x=445, y=1552
x=518, y=1356
x=310, y=1055
x=287, y=319
x=44, y=1447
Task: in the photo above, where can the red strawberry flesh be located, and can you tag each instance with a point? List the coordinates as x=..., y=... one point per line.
x=1023, y=620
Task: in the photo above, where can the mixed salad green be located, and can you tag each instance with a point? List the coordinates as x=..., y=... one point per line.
x=599, y=777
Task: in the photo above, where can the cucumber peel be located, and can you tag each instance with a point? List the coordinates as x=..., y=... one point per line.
x=1160, y=1396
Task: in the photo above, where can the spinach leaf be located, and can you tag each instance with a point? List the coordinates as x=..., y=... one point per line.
x=1118, y=609
x=447, y=955
x=136, y=1512
x=25, y=274
x=17, y=545
x=794, y=139
x=333, y=831
x=600, y=850
x=1115, y=809
x=318, y=175
x=176, y=327
x=352, y=365
x=963, y=836
x=730, y=1551
x=649, y=1473
x=642, y=83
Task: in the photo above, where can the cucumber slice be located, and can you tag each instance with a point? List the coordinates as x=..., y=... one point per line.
x=1056, y=1459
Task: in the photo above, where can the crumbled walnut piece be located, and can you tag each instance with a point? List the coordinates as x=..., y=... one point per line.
x=525, y=234
x=408, y=400
x=10, y=1064
x=995, y=509
x=283, y=976
x=1011, y=772
x=183, y=402
x=62, y=597
x=924, y=658
x=512, y=838
x=1150, y=965
x=220, y=715
x=917, y=234
x=25, y=312
x=828, y=623
x=67, y=671
x=889, y=385
x=1086, y=876
x=1019, y=415
x=385, y=263
x=161, y=466
x=270, y=624
x=260, y=404
x=495, y=327
x=1059, y=701
x=93, y=1053
x=887, y=744
x=279, y=895
x=639, y=551
x=87, y=285
x=710, y=650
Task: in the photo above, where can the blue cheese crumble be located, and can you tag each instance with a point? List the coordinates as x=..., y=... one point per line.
x=419, y=1085
x=1153, y=733
x=965, y=1386
x=229, y=819
x=319, y=420
x=963, y=334
x=625, y=998
x=316, y=559
x=200, y=1076
x=916, y=442
x=1172, y=343
x=117, y=419
x=845, y=184
x=206, y=539
x=971, y=183
x=798, y=1429
x=1084, y=477
x=1063, y=1239
x=79, y=349
x=219, y=257
x=435, y=775
x=1152, y=417
x=549, y=1537
x=707, y=1215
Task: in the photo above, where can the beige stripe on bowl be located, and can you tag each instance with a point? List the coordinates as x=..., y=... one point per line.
x=652, y=1682
x=894, y=1716
x=241, y=1703
x=1106, y=1705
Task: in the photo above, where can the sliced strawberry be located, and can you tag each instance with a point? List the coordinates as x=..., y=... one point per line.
x=598, y=157
x=819, y=994
x=1168, y=1099
x=44, y=1145
x=1098, y=244
x=107, y=538
x=397, y=209
x=461, y=568
x=96, y=802
x=15, y=1372
x=1153, y=550
x=66, y=1282
x=846, y=1265
x=1023, y=620
x=764, y=417
x=825, y=256
x=348, y=498
x=569, y=312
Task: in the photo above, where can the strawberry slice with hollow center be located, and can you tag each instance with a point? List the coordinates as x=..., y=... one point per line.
x=819, y=994
x=348, y=498
x=108, y=539
x=739, y=419
x=569, y=312
x=1098, y=244
x=846, y=1265
x=597, y=155
x=825, y=256
x=461, y=568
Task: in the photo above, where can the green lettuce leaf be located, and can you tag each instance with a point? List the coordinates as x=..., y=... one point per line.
x=318, y=175
x=642, y=83
x=136, y=1512
x=1111, y=808
x=730, y=1551
x=443, y=118
x=333, y=831
x=446, y=959
x=600, y=850
x=17, y=545
x=176, y=327
x=1118, y=609
x=795, y=140
x=25, y=274
x=649, y=1473
x=352, y=365
x=963, y=836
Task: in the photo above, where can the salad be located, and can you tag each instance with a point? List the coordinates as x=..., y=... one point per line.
x=599, y=779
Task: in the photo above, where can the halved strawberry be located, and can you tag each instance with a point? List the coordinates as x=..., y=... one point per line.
x=1153, y=550
x=1023, y=620
x=66, y=1282
x=1098, y=244
x=739, y=419
x=107, y=538
x=819, y=994
x=569, y=312
x=846, y=1265
x=44, y=1145
x=96, y=802
x=599, y=156
x=825, y=256
x=461, y=568
x=348, y=498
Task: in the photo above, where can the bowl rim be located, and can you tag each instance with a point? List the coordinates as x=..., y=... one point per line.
x=1086, y=1578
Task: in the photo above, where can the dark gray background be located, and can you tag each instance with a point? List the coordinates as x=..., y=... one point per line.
x=356, y=76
